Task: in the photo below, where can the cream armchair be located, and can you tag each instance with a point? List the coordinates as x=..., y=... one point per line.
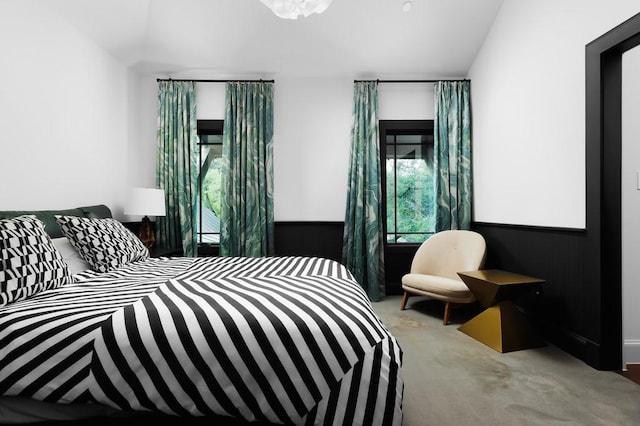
x=435, y=266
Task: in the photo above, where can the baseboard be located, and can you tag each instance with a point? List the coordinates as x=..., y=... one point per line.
x=579, y=346
x=630, y=351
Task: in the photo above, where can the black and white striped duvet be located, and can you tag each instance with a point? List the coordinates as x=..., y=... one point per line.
x=286, y=340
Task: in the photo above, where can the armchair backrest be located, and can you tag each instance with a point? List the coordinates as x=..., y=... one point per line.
x=448, y=252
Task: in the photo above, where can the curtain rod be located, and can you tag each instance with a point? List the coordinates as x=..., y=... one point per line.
x=217, y=81
x=409, y=81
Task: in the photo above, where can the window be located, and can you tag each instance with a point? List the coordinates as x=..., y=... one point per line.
x=209, y=181
x=407, y=158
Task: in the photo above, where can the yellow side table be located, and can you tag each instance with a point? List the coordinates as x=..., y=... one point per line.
x=500, y=326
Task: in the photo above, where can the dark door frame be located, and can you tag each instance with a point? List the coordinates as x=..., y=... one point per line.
x=603, y=183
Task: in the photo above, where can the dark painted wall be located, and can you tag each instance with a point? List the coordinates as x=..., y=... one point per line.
x=567, y=313
x=321, y=239
x=324, y=239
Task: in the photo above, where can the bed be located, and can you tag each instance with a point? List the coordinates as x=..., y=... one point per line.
x=276, y=340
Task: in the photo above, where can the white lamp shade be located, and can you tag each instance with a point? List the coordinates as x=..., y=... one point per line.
x=145, y=202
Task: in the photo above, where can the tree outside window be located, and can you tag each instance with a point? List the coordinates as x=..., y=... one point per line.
x=407, y=147
x=209, y=181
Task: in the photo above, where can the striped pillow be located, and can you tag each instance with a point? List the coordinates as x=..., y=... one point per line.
x=28, y=259
x=104, y=243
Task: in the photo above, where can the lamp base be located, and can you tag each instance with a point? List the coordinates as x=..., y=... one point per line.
x=146, y=233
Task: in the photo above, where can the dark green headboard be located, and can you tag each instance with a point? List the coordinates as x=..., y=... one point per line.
x=49, y=216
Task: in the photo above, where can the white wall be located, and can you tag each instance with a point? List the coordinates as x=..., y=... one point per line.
x=143, y=118
x=63, y=114
x=528, y=95
x=631, y=205
x=312, y=133
x=312, y=141
x=311, y=148
x=95, y=122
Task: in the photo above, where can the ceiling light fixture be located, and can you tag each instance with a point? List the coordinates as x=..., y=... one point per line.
x=291, y=9
x=406, y=6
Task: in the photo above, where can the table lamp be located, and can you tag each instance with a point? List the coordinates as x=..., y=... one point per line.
x=146, y=202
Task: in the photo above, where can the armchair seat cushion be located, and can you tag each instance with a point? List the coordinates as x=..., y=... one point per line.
x=440, y=288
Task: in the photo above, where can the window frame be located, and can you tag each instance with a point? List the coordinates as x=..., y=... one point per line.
x=205, y=128
x=397, y=127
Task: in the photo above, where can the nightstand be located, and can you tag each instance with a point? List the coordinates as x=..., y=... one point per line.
x=500, y=326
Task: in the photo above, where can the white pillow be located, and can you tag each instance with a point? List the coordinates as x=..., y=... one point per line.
x=75, y=263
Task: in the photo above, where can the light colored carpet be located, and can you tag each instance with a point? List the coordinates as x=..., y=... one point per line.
x=452, y=379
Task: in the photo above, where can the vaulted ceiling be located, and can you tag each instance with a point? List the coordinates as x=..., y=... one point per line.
x=362, y=38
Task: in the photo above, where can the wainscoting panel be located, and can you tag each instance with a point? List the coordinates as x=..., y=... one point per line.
x=566, y=312
x=397, y=262
x=324, y=239
x=321, y=239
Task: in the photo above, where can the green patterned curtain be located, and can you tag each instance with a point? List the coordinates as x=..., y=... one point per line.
x=177, y=164
x=452, y=152
x=246, y=213
x=363, y=245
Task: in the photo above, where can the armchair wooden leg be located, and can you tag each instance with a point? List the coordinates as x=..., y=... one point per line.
x=405, y=297
x=447, y=309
